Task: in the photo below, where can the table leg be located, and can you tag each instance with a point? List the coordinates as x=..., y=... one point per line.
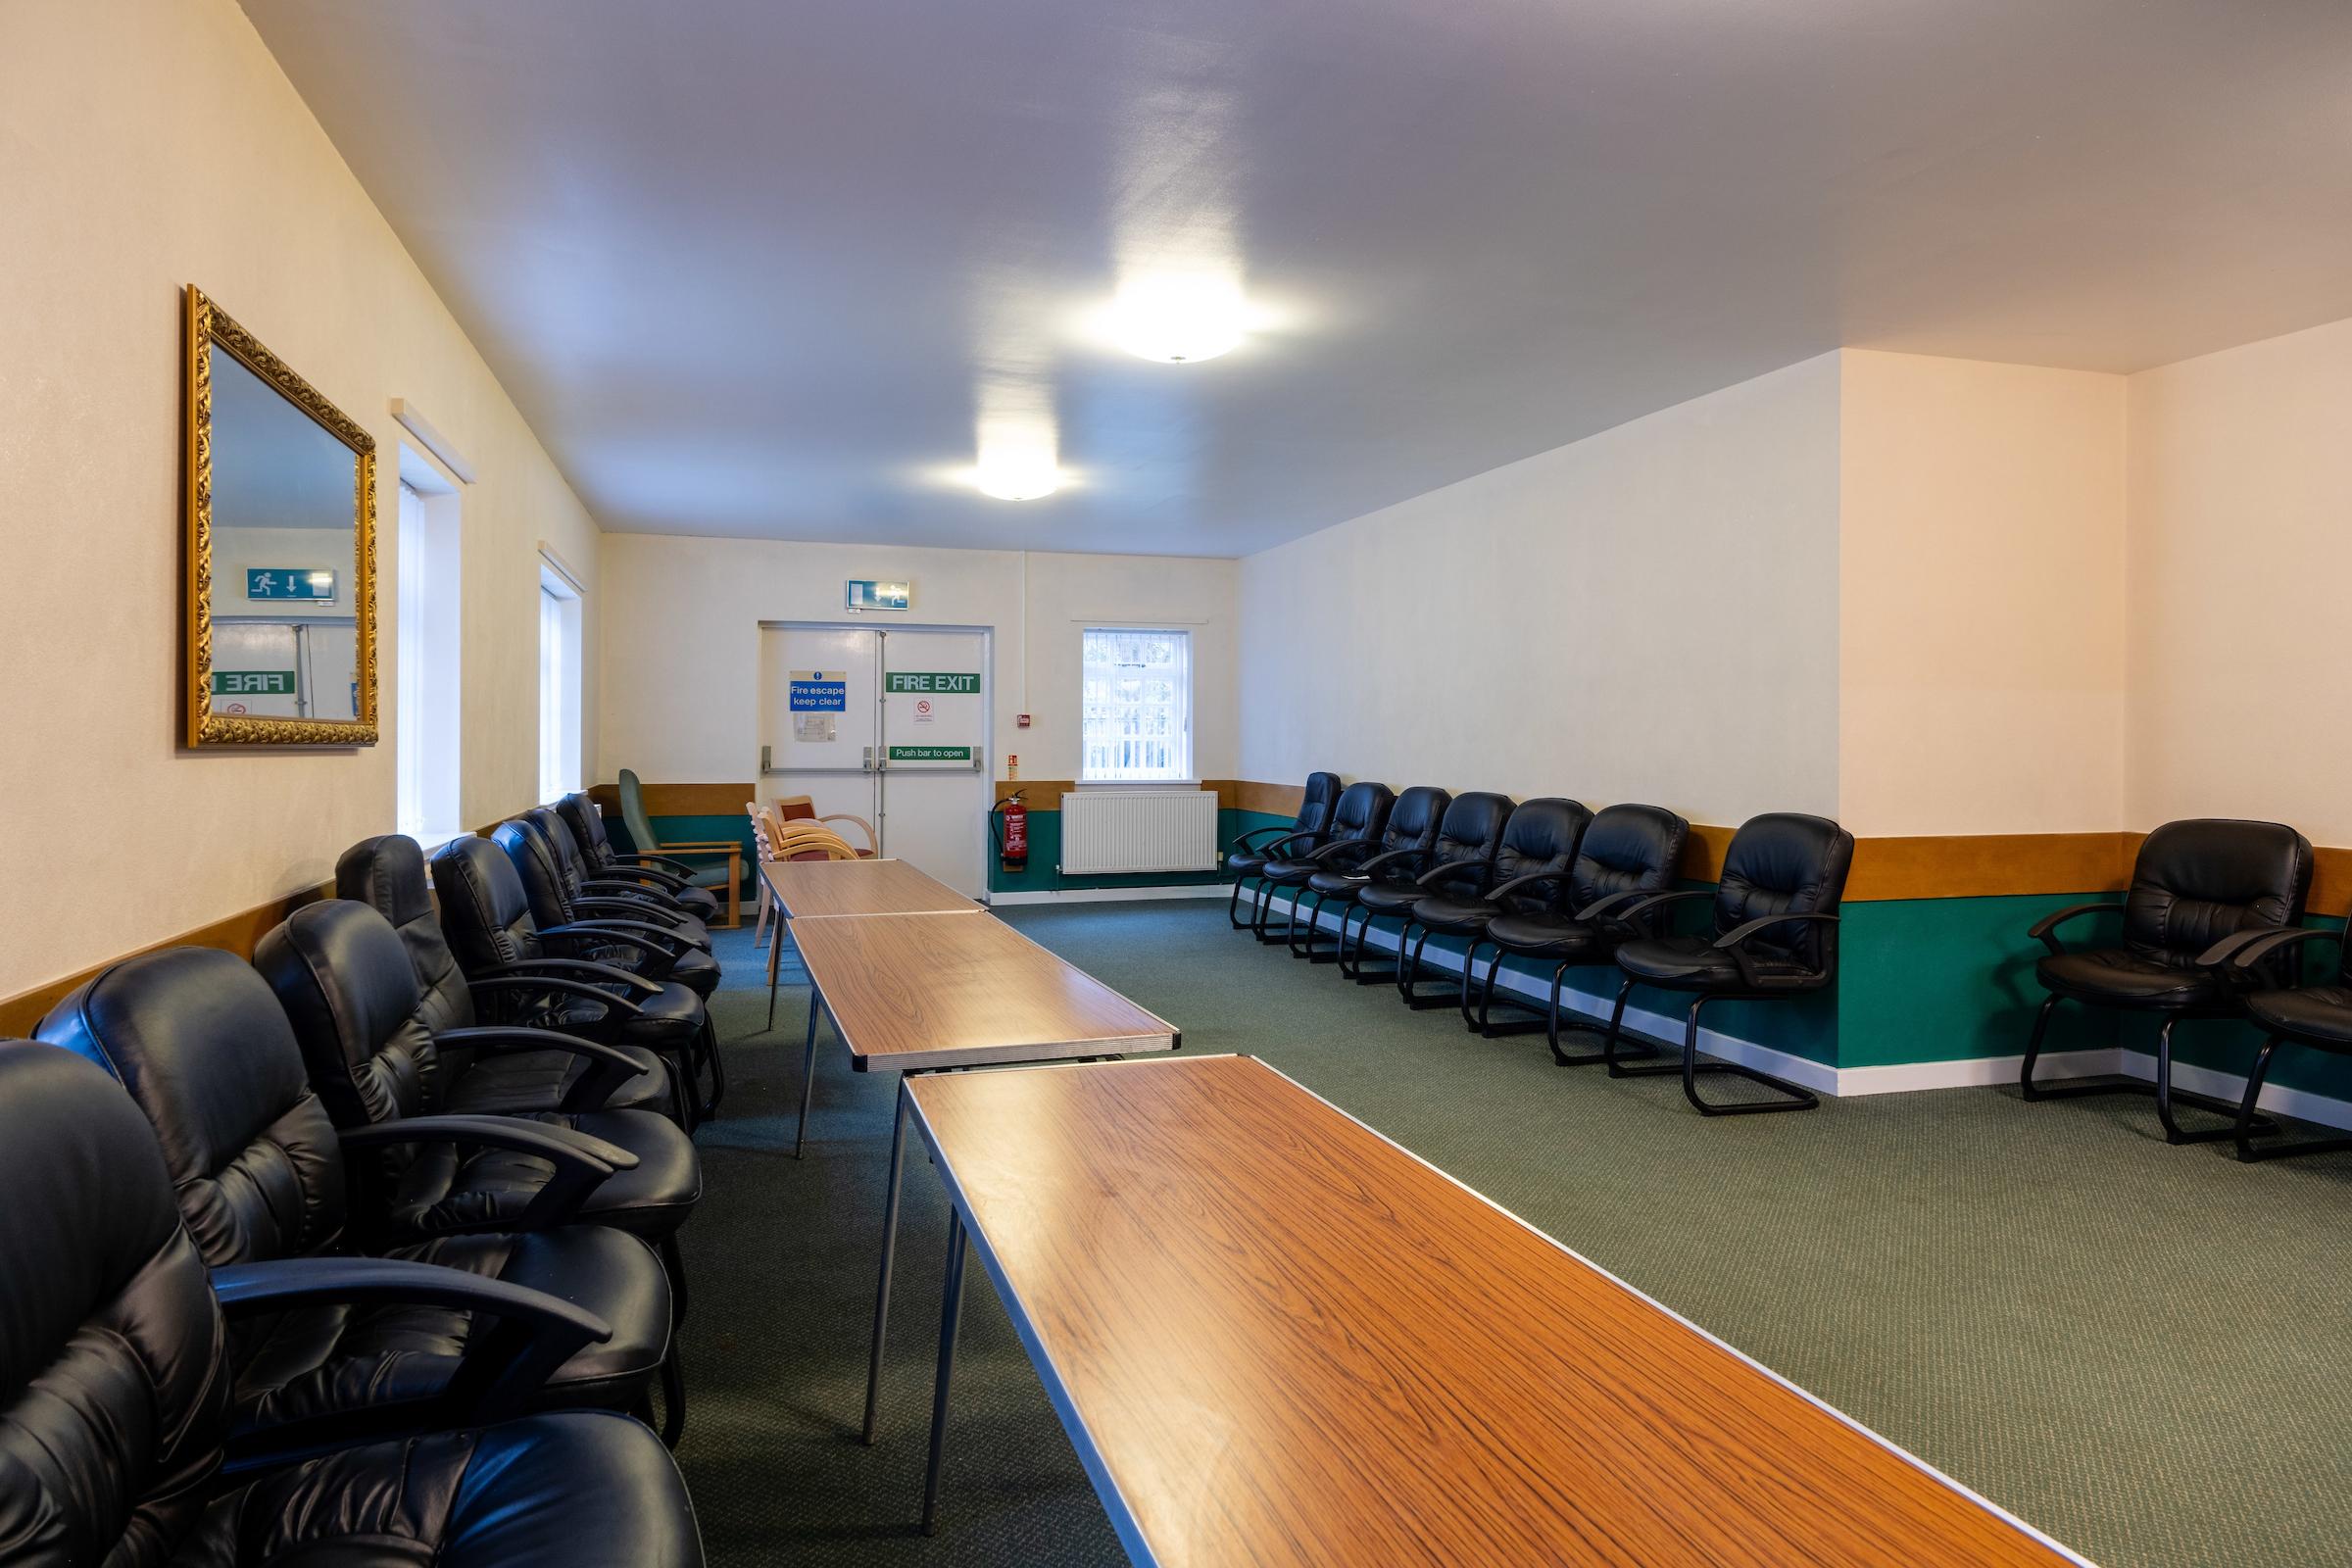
x=807, y=1073
x=951, y=1309
x=775, y=953
x=890, y=1247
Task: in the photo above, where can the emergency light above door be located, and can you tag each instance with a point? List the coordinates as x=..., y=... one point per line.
x=868, y=593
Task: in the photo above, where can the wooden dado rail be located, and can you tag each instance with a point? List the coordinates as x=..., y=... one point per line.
x=240, y=932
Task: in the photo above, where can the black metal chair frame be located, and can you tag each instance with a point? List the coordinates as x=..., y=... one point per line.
x=1549, y=1021
x=2166, y=1095
x=2244, y=954
x=1408, y=966
x=1353, y=969
x=1312, y=924
x=1261, y=901
x=1691, y=1069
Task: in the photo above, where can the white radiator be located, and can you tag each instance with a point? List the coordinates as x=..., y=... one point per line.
x=1105, y=831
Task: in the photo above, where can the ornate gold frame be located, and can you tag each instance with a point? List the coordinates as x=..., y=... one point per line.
x=207, y=324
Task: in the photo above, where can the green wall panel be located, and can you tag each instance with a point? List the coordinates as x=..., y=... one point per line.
x=1943, y=979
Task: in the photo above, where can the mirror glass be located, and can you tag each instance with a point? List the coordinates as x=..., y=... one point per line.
x=284, y=555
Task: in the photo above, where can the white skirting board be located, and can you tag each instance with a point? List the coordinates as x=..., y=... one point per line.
x=1903, y=1078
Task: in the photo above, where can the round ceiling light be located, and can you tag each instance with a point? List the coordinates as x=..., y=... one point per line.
x=1178, y=318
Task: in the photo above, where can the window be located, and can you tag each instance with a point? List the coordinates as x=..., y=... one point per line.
x=425, y=683
x=559, y=681
x=1137, y=702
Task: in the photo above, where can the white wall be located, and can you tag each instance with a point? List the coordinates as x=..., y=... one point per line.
x=147, y=144
x=681, y=676
x=2240, y=586
x=1980, y=596
x=1647, y=614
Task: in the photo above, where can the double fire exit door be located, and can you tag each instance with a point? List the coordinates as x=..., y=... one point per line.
x=889, y=726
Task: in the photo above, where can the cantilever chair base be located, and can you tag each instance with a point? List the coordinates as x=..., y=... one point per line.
x=1793, y=1097
x=2243, y=1122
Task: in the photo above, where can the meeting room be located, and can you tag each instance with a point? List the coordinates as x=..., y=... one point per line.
x=1309, y=783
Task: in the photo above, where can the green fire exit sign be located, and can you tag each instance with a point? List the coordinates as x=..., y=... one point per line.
x=936, y=685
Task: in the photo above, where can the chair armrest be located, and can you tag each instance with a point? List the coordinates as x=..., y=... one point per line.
x=635, y=910
x=684, y=873
x=2242, y=950
x=1655, y=900
x=843, y=817
x=1600, y=907
x=1445, y=871
x=646, y=875
x=545, y=985
x=582, y=1164
x=1518, y=882
x=608, y=1066
x=2042, y=929
x=1243, y=841
x=631, y=885
x=1735, y=941
x=1325, y=851
x=732, y=847
x=502, y=1367
x=601, y=973
x=1408, y=853
x=657, y=942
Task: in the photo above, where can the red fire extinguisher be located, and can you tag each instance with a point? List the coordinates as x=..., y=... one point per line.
x=1012, y=842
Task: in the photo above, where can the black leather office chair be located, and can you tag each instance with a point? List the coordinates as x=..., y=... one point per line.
x=115, y=1384
x=1532, y=862
x=674, y=878
x=504, y=1074
x=1628, y=852
x=1460, y=861
x=1356, y=820
x=1774, y=936
x=487, y=918
x=1249, y=851
x=1401, y=857
x=582, y=881
x=2193, y=883
x=673, y=946
x=196, y=1038
x=2317, y=1017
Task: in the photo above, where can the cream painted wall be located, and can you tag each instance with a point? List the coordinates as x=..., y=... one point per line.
x=146, y=144
x=681, y=692
x=2240, y=586
x=1647, y=614
x=1980, y=596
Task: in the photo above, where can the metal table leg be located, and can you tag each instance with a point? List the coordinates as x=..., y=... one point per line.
x=951, y=1309
x=808, y=1072
x=890, y=1247
x=775, y=953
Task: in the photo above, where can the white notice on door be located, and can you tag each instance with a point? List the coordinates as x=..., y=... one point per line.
x=813, y=727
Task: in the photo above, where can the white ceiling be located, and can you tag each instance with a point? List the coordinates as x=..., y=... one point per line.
x=751, y=267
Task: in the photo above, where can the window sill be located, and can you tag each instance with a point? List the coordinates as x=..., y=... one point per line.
x=1138, y=784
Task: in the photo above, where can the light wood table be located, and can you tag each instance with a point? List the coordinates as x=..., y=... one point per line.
x=936, y=992
x=828, y=889
x=1276, y=1338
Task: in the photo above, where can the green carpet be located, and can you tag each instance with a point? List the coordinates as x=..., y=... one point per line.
x=2140, y=1349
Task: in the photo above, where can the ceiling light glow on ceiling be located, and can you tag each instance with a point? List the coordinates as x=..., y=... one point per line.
x=1179, y=317
x=1016, y=468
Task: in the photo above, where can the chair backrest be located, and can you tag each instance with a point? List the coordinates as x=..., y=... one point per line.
x=1470, y=832
x=1628, y=848
x=1315, y=806
x=209, y=1059
x=347, y=987
x=484, y=910
x=387, y=874
x=113, y=1388
x=632, y=814
x=538, y=867
x=1785, y=863
x=2196, y=881
x=572, y=865
x=1362, y=810
x=1541, y=838
x=1414, y=819
x=586, y=819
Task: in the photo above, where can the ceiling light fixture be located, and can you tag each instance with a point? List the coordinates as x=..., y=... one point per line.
x=1017, y=471
x=1178, y=317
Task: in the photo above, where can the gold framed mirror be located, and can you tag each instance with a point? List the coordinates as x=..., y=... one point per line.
x=279, y=563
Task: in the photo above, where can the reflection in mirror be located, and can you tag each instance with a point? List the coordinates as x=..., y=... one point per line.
x=285, y=555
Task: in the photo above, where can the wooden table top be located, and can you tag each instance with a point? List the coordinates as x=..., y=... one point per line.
x=919, y=991
x=1276, y=1338
x=814, y=889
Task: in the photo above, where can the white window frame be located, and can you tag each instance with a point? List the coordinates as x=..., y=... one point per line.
x=427, y=685
x=1181, y=769
x=561, y=678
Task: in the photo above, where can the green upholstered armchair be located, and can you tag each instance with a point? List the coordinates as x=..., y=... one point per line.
x=693, y=859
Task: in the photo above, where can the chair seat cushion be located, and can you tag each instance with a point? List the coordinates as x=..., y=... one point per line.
x=2315, y=1016
x=664, y=1023
x=1341, y=886
x=1456, y=916
x=2117, y=977
x=1289, y=870
x=700, y=903
x=1695, y=964
x=1547, y=936
x=518, y=1082
x=447, y=1188
x=576, y=1489
x=696, y=971
x=1390, y=897
x=1243, y=863
x=318, y=1363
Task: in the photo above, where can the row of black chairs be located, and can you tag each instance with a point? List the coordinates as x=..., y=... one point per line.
x=1548, y=880
x=2211, y=927
x=374, y=1239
